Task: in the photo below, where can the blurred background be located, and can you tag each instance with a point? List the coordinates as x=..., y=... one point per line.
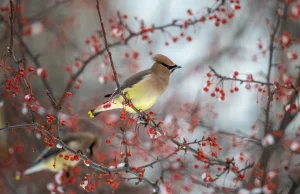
x=60, y=35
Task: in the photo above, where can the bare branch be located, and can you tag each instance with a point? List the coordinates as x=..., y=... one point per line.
x=269, y=93
x=222, y=78
x=107, y=47
x=18, y=126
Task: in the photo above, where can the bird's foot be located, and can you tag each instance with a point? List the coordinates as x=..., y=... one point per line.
x=142, y=120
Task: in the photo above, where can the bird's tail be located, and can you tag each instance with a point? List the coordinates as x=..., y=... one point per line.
x=104, y=107
x=35, y=168
x=92, y=113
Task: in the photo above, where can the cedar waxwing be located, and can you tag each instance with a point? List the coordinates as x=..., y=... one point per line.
x=83, y=141
x=142, y=89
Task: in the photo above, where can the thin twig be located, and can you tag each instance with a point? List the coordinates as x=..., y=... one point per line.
x=31, y=55
x=243, y=137
x=157, y=161
x=246, y=167
x=107, y=47
x=18, y=126
x=268, y=84
x=124, y=140
x=11, y=19
x=55, y=105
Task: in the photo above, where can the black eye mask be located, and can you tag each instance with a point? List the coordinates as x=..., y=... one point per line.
x=171, y=68
x=91, y=148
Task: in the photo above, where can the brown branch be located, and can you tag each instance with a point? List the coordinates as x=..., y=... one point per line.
x=246, y=167
x=157, y=161
x=55, y=105
x=18, y=126
x=107, y=47
x=35, y=61
x=268, y=151
x=124, y=24
x=126, y=159
x=11, y=54
x=222, y=78
x=227, y=170
x=31, y=55
x=11, y=19
x=243, y=137
x=269, y=93
x=81, y=70
x=212, y=161
x=20, y=31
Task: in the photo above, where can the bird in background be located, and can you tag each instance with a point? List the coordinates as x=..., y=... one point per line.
x=142, y=89
x=83, y=141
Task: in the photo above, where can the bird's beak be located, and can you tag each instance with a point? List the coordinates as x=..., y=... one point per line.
x=174, y=67
x=177, y=67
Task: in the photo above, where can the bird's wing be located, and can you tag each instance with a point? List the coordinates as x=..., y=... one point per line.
x=133, y=80
x=49, y=152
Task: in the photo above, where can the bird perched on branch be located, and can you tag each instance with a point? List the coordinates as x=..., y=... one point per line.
x=142, y=89
x=54, y=159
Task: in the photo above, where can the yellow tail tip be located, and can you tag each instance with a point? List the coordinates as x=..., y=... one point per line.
x=91, y=114
x=18, y=177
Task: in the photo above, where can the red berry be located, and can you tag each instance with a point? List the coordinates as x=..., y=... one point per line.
x=151, y=131
x=68, y=94
x=66, y=157
x=126, y=55
x=237, y=7
x=189, y=12
x=30, y=69
x=224, y=21
x=135, y=55
x=175, y=39
x=76, y=157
